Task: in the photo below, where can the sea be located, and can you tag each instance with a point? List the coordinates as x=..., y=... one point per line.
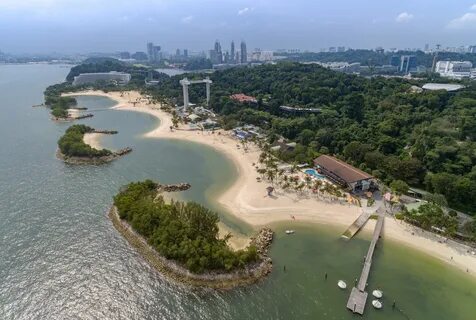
x=61, y=258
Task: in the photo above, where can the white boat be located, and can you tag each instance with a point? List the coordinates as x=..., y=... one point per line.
x=377, y=294
x=289, y=231
x=377, y=304
x=341, y=284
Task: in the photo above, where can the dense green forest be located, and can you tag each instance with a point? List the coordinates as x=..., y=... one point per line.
x=198, y=64
x=71, y=144
x=184, y=232
x=426, y=139
x=366, y=57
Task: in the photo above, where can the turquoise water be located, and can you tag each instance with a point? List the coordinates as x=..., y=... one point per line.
x=314, y=173
x=60, y=258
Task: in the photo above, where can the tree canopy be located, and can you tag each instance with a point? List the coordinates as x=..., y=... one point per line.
x=71, y=144
x=424, y=139
x=185, y=232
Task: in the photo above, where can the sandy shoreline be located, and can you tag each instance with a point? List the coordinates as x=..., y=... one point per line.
x=246, y=198
x=93, y=139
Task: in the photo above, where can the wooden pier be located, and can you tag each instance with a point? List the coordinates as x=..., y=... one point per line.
x=358, y=296
x=357, y=225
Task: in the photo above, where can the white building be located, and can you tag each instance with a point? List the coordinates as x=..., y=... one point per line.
x=454, y=69
x=118, y=77
x=262, y=55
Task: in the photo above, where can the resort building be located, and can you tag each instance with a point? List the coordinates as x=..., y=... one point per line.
x=343, y=173
x=240, y=97
x=119, y=78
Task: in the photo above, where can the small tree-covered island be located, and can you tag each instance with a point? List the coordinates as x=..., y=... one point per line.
x=181, y=239
x=72, y=148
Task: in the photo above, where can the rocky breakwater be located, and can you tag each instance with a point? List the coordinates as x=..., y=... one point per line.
x=105, y=131
x=221, y=280
x=173, y=187
x=263, y=241
x=93, y=159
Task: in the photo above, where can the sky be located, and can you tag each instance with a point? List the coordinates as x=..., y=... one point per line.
x=81, y=26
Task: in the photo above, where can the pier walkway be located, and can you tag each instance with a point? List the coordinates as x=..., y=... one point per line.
x=358, y=296
x=357, y=225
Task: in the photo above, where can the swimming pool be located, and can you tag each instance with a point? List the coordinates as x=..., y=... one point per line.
x=314, y=173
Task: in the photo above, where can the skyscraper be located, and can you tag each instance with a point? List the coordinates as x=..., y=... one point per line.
x=219, y=54
x=408, y=64
x=232, y=52
x=216, y=55
x=244, y=54
x=150, y=50
x=153, y=52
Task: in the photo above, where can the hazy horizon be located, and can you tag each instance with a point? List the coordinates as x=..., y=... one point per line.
x=80, y=26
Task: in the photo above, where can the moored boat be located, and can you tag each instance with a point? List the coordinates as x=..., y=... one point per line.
x=341, y=284
x=377, y=304
x=377, y=294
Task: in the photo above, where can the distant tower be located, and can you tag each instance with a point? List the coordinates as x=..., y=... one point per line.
x=244, y=54
x=232, y=51
x=150, y=51
x=185, y=53
x=219, y=54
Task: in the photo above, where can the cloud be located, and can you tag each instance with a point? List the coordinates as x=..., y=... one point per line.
x=187, y=19
x=244, y=11
x=466, y=21
x=404, y=17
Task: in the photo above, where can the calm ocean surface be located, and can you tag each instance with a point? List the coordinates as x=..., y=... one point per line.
x=60, y=257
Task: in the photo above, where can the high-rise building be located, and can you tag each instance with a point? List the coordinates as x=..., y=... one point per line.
x=125, y=55
x=395, y=61
x=153, y=52
x=232, y=52
x=216, y=55
x=140, y=56
x=243, y=53
x=408, y=64
x=427, y=47
x=185, y=53
x=177, y=52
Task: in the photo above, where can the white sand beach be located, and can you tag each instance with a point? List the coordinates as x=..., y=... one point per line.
x=247, y=199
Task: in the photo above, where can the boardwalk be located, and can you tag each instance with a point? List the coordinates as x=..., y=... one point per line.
x=358, y=296
x=357, y=225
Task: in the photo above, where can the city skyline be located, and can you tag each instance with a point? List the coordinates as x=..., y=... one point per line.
x=44, y=26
